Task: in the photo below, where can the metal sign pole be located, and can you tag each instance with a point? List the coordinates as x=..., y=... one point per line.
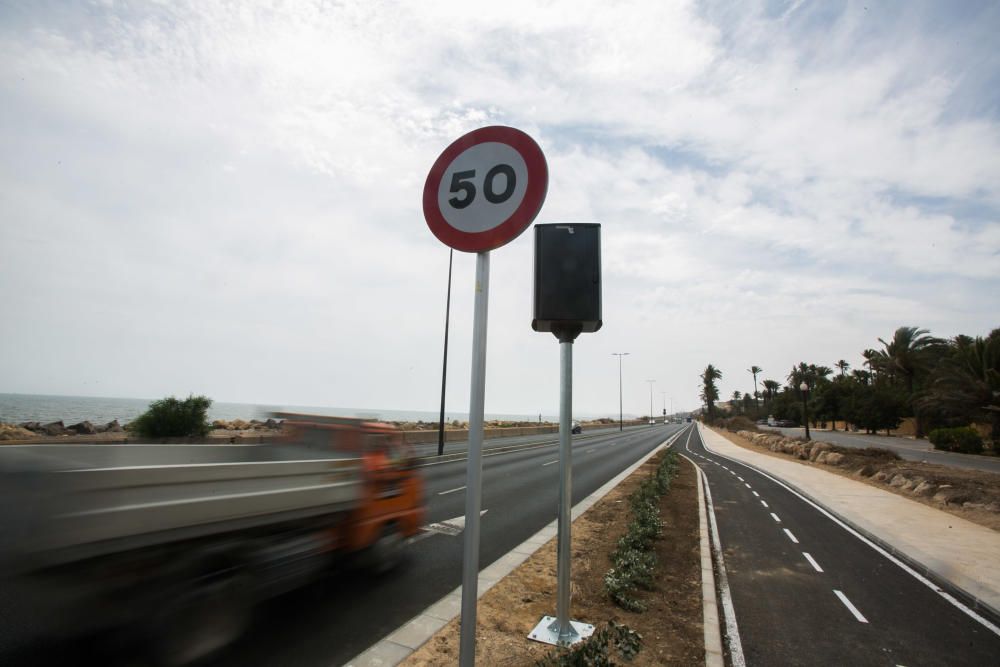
x=566, y=632
x=474, y=466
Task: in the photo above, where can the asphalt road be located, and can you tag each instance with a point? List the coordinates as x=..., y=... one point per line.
x=911, y=450
x=332, y=621
x=807, y=592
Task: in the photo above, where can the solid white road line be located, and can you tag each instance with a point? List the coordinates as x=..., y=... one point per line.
x=732, y=630
x=444, y=493
x=790, y=536
x=550, y=463
x=775, y=517
x=851, y=607
x=812, y=561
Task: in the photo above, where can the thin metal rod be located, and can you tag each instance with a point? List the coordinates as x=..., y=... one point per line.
x=444, y=364
x=621, y=415
x=474, y=466
x=566, y=631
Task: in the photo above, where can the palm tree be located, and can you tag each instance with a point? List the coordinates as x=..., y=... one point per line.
x=771, y=387
x=709, y=391
x=843, y=366
x=967, y=383
x=737, y=395
x=909, y=352
x=754, y=370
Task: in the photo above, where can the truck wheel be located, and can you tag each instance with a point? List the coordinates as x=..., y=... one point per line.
x=201, y=620
x=387, y=551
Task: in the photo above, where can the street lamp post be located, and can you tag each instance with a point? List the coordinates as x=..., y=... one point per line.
x=804, y=388
x=621, y=423
x=651, y=400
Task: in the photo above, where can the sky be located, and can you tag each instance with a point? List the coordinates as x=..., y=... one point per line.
x=225, y=198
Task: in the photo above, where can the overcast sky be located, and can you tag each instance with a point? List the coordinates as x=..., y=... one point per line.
x=219, y=199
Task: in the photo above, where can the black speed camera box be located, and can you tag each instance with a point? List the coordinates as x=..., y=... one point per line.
x=567, y=277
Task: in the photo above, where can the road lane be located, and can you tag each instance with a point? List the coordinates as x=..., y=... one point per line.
x=806, y=591
x=334, y=620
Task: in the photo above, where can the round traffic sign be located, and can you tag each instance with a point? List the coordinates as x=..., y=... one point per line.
x=485, y=189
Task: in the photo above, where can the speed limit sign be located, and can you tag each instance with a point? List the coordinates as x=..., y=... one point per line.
x=485, y=189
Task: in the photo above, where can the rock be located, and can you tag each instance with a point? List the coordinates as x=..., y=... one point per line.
x=866, y=470
x=239, y=425
x=817, y=449
x=821, y=457
x=31, y=426
x=834, y=458
x=898, y=480
x=220, y=424
x=272, y=424
x=950, y=496
x=924, y=489
x=54, y=428
x=974, y=506
x=82, y=428
x=11, y=432
x=880, y=476
x=112, y=427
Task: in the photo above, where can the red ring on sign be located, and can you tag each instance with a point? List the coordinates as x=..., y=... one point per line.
x=519, y=220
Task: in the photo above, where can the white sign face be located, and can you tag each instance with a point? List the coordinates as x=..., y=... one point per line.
x=482, y=187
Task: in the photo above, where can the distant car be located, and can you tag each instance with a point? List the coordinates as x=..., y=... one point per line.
x=761, y=422
x=784, y=423
x=652, y=421
x=576, y=428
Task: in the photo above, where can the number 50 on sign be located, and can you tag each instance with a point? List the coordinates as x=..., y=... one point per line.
x=485, y=189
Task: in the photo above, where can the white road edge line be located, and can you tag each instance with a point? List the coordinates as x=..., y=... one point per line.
x=851, y=607
x=444, y=493
x=550, y=463
x=736, y=658
x=790, y=536
x=906, y=568
x=812, y=561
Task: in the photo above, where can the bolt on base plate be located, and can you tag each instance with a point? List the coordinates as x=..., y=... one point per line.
x=547, y=632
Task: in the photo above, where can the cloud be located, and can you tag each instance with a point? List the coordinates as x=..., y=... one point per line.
x=198, y=186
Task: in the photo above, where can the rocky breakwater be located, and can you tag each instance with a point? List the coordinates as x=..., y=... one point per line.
x=949, y=488
x=32, y=429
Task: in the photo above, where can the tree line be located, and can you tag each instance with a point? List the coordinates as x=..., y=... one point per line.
x=940, y=382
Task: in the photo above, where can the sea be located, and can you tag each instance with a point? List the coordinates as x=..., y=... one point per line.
x=17, y=408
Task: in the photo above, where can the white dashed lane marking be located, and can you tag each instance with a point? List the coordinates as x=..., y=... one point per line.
x=851, y=607
x=775, y=517
x=812, y=562
x=790, y=536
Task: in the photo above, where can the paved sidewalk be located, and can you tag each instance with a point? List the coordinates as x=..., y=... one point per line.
x=934, y=542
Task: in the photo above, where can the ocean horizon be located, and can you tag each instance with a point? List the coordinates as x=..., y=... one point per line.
x=17, y=408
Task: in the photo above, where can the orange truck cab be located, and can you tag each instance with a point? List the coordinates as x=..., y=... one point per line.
x=391, y=507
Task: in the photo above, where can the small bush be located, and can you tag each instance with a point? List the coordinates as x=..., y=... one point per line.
x=962, y=439
x=738, y=423
x=596, y=651
x=633, y=560
x=173, y=418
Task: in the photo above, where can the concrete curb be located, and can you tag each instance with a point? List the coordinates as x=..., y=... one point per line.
x=714, y=656
x=399, y=644
x=939, y=580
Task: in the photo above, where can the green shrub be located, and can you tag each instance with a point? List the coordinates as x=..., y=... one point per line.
x=962, y=439
x=173, y=418
x=596, y=650
x=633, y=560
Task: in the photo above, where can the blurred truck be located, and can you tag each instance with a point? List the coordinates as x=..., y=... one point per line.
x=171, y=546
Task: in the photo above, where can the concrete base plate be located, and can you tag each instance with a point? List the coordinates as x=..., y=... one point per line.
x=547, y=632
